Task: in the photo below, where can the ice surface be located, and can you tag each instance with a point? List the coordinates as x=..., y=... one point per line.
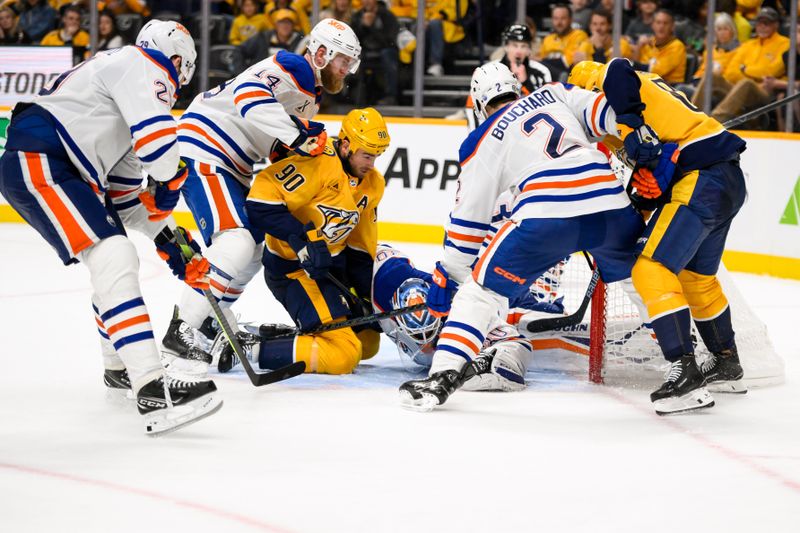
x=330, y=454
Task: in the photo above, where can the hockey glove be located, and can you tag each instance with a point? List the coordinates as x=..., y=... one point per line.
x=185, y=262
x=652, y=184
x=312, y=251
x=640, y=141
x=441, y=293
x=161, y=197
x=312, y=138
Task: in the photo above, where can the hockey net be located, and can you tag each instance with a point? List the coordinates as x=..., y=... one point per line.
x=623, y=351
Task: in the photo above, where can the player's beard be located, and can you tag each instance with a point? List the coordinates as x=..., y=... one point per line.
x=330, y=82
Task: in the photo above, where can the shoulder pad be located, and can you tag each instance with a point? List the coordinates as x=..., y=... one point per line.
x=162, y=62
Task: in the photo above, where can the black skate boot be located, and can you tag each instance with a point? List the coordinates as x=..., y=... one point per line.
x=168, y=404
x=227, y=357
x=210, y=328
x=683, y=390
x=182, y=350
x=425, y=394
x=723, y=372
x=118, y=385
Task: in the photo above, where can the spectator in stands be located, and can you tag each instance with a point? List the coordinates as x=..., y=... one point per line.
x=778, y=87
x=725, y=44
x=663, y=53
x=743, y=28
x=36, y=18
x=581, y=14
x=561, y=45
x=249, y=22
x=268, y=42
x=302, y=23
x=69, y=34
x=608, y=5
x=339, y=10
x=643, y=23
x=691, y=30
x=601, y=40
x=443, y=25
x=748, y=8
x=376, y=28
x=755, y=60
x=10, y=32
x=107, y=36
x=122, y=7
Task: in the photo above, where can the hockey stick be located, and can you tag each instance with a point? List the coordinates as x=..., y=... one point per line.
x=760, y=111
x=353, y=298
x=558, y=322
x=358, y=321
x=256, y=378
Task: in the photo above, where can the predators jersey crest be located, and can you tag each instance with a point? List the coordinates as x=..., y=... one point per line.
x=337, y=222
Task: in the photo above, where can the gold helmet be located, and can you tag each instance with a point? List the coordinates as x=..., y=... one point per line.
x=366, y=130
x=585, y=74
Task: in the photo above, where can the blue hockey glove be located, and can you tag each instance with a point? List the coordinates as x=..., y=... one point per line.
x=441, y=293
x=312, y=138
x=312, y=251
x=161, y=197
x=641, y=142
x=187, y=264
x=652, y=184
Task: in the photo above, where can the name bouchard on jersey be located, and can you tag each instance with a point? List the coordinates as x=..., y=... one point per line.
x=533, y=101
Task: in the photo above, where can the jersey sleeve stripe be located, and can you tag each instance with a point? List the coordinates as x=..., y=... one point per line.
x=464, y=237
x=593, y=122
x=224, y=136
x=133, y=202
x=462, y=249
x=251, y=84
x=251, y=94
x=158, y=153
x=568, y=184
x=571, y=171
x=567, y=197
x=149, y=121
x=172, y=130
x=251, y=105
x=133, y=182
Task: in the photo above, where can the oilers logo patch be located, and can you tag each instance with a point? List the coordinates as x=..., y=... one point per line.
x=338, y=223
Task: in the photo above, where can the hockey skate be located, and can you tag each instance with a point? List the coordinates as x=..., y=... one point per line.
x=227, y=357
x=493, y=373
x=684, y=389
x=424, y=395
x=118, y=385
x=183, y=350
x=168, y=404
x=723, y=372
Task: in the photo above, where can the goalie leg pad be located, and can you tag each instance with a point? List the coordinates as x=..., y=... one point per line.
x=507, y=372
x=114, y=269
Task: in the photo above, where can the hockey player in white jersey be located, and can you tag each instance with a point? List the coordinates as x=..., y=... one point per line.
x=112, y=112
x=566, y=199
x=259, y=114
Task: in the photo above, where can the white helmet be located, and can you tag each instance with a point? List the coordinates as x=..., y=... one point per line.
x=490, y=81
x=337, y=38
x=171, y=39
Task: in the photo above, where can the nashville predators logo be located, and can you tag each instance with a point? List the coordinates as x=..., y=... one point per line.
x=338, y=223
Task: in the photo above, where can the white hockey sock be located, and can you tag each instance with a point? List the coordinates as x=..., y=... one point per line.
x=114, y=269
x=111, y=360
x=231, y=255
x=474, y=310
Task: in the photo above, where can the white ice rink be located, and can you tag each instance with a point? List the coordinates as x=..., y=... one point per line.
x=337, y=454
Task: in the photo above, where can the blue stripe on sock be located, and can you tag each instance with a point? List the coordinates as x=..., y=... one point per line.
x=130, y=304
x=130, y=339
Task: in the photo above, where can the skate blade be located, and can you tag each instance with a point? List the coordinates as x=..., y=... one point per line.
x=424, y=404
x=696, y=399
x=728, y=387
x=166, y=421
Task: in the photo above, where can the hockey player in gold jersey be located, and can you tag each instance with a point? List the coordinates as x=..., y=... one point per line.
x=319, y=215
x=687, y=164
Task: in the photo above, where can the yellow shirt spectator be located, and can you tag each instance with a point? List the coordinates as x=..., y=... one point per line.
x=667, y=60
x=758, y=58
x=245, y=27
x=743, y=28
x=119, y=7
x=54, y=38
x=720, y=57
x=302, y=24
x=556, y=46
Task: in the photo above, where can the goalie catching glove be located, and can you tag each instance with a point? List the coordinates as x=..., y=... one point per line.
x=651, y=184
x=312, y=138
x=186, y=262
x=440, y=295
x=161, y=197
x=312, y=251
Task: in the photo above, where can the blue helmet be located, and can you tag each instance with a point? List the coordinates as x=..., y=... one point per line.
x=416, y=332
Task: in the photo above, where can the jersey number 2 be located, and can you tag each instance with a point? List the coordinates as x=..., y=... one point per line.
x=554, y=137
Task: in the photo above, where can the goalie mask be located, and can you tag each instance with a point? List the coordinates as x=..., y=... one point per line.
x=416, y=333
x=490, y=82
x=171, y=39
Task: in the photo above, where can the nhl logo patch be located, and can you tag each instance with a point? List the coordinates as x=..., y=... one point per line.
x=202, y=223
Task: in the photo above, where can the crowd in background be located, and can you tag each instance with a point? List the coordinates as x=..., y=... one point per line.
x=666, y=37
